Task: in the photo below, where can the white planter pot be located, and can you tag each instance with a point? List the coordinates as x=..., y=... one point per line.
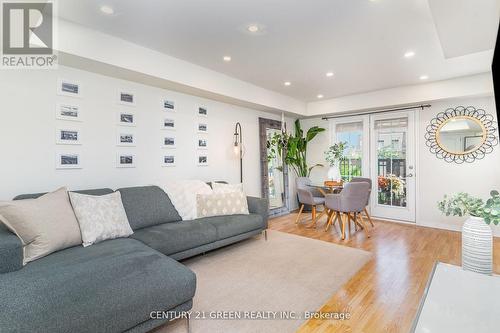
x=477, y=246
x=334, y=173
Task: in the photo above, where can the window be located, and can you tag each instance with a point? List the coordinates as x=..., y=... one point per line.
x=352, y=133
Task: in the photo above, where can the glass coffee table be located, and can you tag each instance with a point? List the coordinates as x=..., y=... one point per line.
x=459, y=301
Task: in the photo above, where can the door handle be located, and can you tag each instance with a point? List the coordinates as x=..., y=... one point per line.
x=409, y=175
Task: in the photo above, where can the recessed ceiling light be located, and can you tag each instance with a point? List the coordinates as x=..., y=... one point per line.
x=424, y=77
x=253, y=28
x=107, y=10
x=329, y=74
x=409, y=54
x=287, y=83
x=227, y=58
x=320, y=96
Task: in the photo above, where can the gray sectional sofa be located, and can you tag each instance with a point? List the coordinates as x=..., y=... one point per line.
x=113, y=286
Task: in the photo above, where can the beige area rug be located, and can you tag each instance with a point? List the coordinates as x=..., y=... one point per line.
x=288, y=273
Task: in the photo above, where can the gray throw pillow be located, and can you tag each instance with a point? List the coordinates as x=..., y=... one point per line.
x=100, y=217
x=44, y=225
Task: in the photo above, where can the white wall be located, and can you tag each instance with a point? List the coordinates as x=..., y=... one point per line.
x=435, y=177
x=27, y=135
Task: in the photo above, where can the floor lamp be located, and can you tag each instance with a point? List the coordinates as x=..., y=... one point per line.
x=238, y=147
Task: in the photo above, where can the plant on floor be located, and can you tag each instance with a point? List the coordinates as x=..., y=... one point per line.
x=293, y=148
x=463, y=204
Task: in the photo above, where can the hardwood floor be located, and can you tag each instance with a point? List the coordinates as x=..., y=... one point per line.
x=385, y=294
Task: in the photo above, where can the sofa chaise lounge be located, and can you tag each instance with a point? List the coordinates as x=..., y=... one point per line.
x=113, y=286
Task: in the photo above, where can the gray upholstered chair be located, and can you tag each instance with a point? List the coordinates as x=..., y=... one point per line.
x=352, y=200
x=369, y=181
x=308, y=196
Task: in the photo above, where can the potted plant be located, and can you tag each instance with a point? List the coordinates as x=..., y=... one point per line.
x=333, y=156
x=477, y=236
x=293, y=148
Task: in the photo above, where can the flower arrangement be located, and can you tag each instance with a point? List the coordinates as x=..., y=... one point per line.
x=391, y=183
x=462, y=204
x=335, y=153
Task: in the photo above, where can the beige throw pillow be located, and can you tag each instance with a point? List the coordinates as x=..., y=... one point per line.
x=100, y=217
x=221, y=204
x=44, y=225
x=227, y=188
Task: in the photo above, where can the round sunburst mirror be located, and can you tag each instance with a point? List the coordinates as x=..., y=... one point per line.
x=462, y=134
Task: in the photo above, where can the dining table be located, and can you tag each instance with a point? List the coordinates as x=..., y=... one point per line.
x=326, y=189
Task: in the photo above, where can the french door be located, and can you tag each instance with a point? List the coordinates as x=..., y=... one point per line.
x=381, y=147
x=392, y=168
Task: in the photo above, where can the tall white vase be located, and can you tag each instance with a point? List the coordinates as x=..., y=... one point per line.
x=334, y=173
x=477, y=246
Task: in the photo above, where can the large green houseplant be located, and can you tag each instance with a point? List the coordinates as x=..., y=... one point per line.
x=292, y=148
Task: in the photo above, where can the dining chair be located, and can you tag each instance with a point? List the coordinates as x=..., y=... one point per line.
x=369, y=181
x=308, y=196
x=352, y=200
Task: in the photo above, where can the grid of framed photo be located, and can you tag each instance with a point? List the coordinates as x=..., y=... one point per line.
x=202, y=138
x=168, y=137
x=68, y=133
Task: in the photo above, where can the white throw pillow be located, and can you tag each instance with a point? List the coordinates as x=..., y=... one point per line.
x=227, y=188
x=183, y=196
x=216, y=204
x=100, y=217
x=44, y=225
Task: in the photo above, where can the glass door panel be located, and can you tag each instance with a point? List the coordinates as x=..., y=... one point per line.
x=391, y=161
x=354, y=131
x=352, y=134
x=392, y=151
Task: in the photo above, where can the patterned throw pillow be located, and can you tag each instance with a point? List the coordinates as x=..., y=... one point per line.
x=221, y=204
x=227, y=188
x=100, y=217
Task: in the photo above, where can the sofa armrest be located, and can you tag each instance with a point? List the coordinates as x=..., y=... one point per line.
x=11, y=251
x=259, y=206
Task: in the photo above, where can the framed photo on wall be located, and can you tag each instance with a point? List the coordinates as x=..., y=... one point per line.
x=68, y=161
x=202, y=111
x=125, y=160
x=69, y=112
x=202, y=128
x=126, y=118
x=168, y=142
x=168, y=161
x=67, y=136
x=168, y=105
x=202, y=143
x=202, y=160
x=125, y=139
x=169, y=124
x=68, y=88
x=126, y=98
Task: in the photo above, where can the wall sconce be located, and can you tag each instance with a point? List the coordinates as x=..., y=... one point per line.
x=238, y=147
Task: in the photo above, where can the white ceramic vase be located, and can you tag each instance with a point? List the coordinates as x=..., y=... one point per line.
x=477, y=246
x=334, y=173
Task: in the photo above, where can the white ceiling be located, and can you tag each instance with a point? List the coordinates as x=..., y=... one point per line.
x=361, y=41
